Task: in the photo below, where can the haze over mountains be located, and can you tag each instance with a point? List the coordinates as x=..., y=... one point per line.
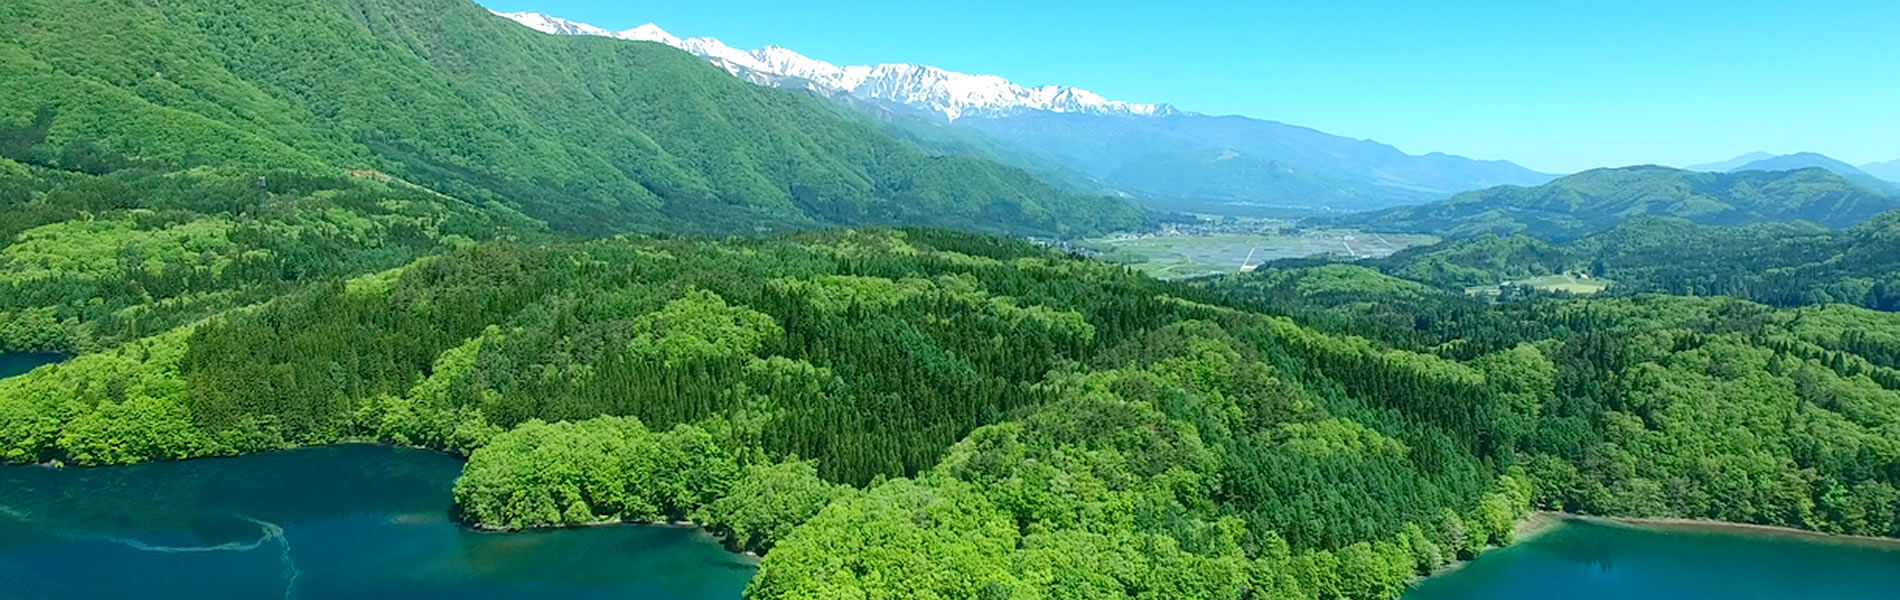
x=1600, y=199
x=1730, y=164
x=1234, y=164
x=1888, y=170
x=591, y=136
x=1802, y=160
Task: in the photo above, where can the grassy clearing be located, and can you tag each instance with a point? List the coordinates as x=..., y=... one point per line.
x=1574, y=283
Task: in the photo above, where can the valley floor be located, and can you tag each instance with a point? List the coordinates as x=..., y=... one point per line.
x=1180, y=252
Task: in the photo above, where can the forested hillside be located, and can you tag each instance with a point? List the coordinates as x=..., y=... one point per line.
x=1783, y=264
x=1599, y=200
x=284, y=223
x=590, y=135
x=1691, y=407
x=93, y=261
x=1048, y=409
x=925, y=413
x=1811, y=160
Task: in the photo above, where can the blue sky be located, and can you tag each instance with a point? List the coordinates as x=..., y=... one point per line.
x=1554, y=85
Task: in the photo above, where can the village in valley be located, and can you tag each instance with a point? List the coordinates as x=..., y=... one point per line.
x=1213, y=245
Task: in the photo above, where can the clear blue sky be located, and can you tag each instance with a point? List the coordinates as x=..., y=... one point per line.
x=1555, y=85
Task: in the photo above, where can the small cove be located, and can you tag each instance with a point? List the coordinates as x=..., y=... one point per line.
x=1588, y=559
x=355, y=521
x=18, y=363
x=348, y=521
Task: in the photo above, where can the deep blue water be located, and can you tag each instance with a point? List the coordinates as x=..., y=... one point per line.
x=16, y=363
x=1594, y=561
x=360, y=521
x=344, y=522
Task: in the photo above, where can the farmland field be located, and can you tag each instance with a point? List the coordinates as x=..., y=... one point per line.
x=1575, y=284
x=1176, y=255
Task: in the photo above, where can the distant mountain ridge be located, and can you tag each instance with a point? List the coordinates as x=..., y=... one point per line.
x=1593, y=201
x=1889, y=170
x=951, y=94
x=1339, y=173
x=590, y=136
x=1730, y=164
x=1811, y=160
x=1115, y=143
x=1762, y=161
x=1784, y=264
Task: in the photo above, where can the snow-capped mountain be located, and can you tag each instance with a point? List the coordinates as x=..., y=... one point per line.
x=1185, y=161
x=952, y=94
x=546, y=24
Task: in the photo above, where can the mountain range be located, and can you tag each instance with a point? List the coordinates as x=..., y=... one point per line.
x=1889, y=170
x=1761, y=161
x=1108, y=145
x=1811, y=160
x=1597, y=200
x=1314, y=171
x=270, y=224
x=591, y=136
x=947, y=93
x=1730, y=164
x=1783, y=263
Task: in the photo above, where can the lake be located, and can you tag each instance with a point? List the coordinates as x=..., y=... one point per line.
x=17, y=363
x=351, y=521
x=361, y=521
x=1590, y=560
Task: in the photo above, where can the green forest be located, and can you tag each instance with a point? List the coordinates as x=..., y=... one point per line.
x=612, y=278
x=1597, y=200
x=1780, y=264
x=798, y=393
x=921, y=413
x=590, y=135
x=1783, y=238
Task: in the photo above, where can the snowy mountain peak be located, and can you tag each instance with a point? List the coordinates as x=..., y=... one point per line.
x=546, y=24
x=952, y=94
x=783, y=61
x=649, y=33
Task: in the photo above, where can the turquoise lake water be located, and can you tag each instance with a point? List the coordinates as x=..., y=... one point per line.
x=353, y=521
x=1595, y=561
x=360, y=521
x=16, y=363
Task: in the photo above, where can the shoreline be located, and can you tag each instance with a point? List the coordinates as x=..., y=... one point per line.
x=1538, y=523
x=351, y=441
x=721, y=539
x=1530, y=527
x=1729, y=527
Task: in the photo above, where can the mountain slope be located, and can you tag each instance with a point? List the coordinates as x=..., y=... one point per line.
x=1889, y=170
x=1730, y=164
x=1228, y=182
x=1782, y=264
x=950, y=94
x=591, y=135
x=1773, y=263
x=1810, y=160
x=1597, y=200
x=1368, y=174
x=1080, y=131
x=89, y=261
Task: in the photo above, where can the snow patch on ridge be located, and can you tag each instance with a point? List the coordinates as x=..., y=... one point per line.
x=952, y=94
